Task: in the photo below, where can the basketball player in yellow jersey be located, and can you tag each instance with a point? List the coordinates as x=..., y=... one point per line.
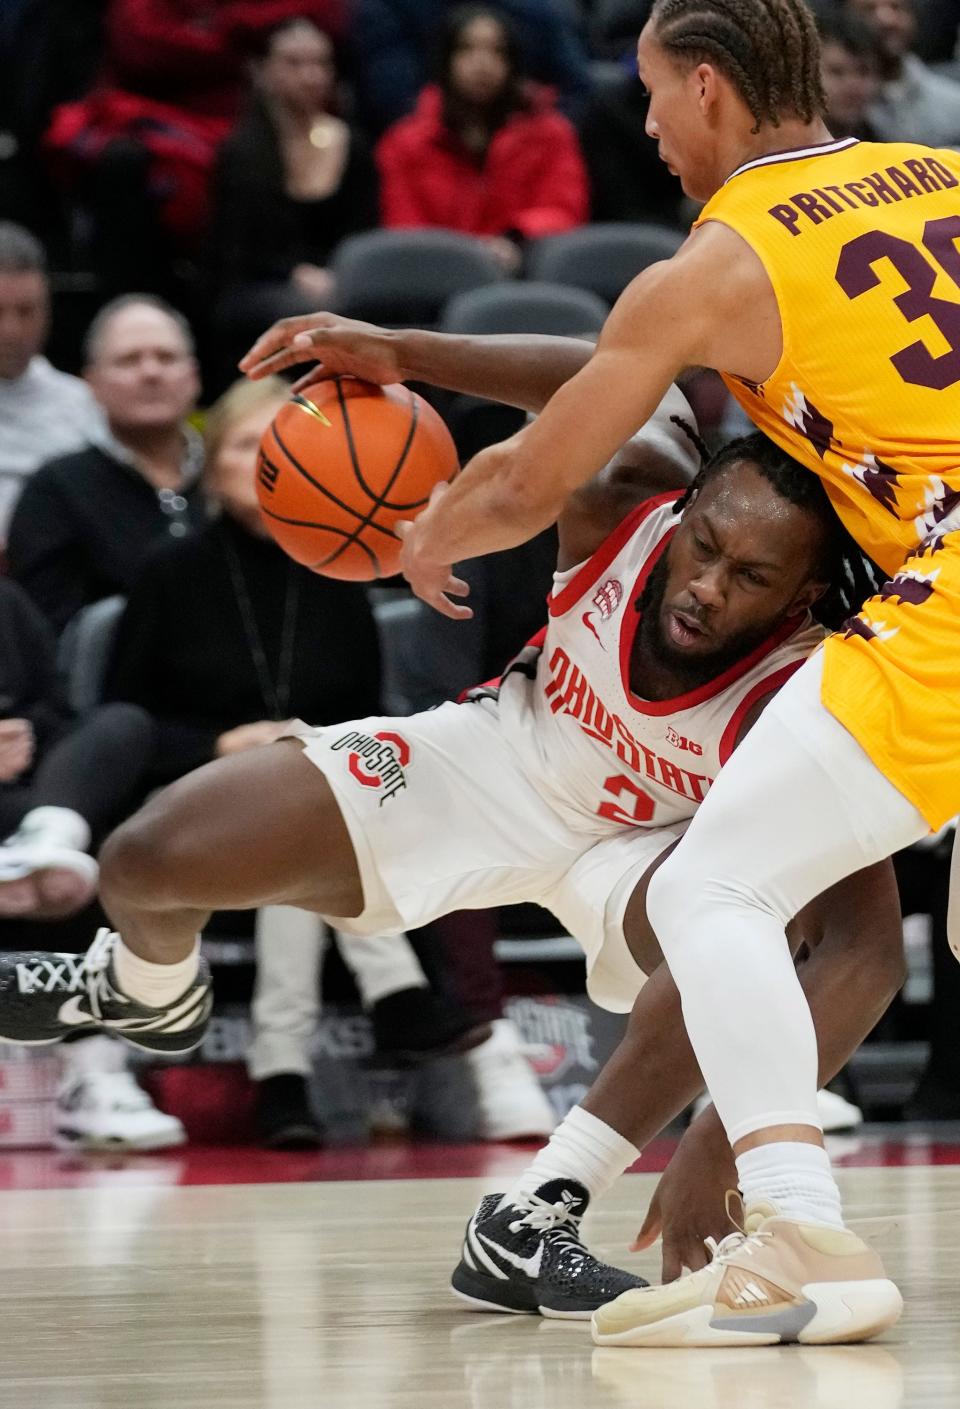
x=823, y=281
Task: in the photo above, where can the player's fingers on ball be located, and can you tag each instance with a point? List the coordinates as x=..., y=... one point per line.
x=311, y=378
x=275, y=342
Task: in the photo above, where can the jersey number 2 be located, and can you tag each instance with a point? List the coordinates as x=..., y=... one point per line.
x=643, y=804
x=856, y=274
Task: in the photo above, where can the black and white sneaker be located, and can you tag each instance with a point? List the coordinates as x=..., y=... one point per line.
x=530, y=1258
x=45, y=997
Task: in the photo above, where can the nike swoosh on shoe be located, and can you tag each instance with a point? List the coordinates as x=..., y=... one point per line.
x=529, y=1265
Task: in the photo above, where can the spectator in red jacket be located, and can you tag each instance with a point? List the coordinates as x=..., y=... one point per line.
x=138, y=150
x=484, y=152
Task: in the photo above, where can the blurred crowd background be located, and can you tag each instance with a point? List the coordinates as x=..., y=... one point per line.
x=176, y=174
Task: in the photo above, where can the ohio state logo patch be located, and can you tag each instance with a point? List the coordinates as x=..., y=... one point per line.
x=376, y=760
x=608, y=597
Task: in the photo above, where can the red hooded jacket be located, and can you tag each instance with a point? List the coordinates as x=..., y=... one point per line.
x=532, y=179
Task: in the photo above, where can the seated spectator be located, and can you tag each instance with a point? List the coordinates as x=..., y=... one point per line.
x=30, y=389
x=394, y=39
x=915, y=104
x=224, y=638
x=138, y=151
x=49, y=50
x=484, y=152
x=86, y=521
x=850, y=67
x=292, y=181
x=628, y=181
x=64, y=783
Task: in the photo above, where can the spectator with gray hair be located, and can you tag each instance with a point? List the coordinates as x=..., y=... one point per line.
x=43, y=412
x=86, y=521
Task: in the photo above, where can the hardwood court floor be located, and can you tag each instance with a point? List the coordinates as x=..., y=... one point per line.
x=136, y=1295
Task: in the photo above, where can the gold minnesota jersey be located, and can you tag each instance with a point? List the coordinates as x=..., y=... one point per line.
x=861, y=242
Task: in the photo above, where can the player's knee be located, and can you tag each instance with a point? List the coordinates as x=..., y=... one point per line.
x=138, y=860
x=670, y=904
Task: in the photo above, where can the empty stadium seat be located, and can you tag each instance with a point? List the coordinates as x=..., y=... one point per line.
x=406, y=276
x=526, y=307
x=602, y=258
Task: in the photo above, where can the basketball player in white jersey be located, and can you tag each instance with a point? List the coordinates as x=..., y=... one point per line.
x=562, y=784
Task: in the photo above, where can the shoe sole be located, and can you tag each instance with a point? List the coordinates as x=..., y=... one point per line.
x=85, y=1144
x=481, y=1294
x=844, y=1312
x=89, y=1029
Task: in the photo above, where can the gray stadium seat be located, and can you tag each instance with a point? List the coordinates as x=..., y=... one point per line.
x=84, y=652
x=406, y=276
x=602, y=258
x=398, y=619
x=525, y=308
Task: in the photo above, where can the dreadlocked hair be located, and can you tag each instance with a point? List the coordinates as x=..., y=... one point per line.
x=769, y=50
x=852, y=578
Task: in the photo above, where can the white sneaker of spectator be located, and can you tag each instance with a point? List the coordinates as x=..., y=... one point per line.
x=101, y=1106
x=835, y=1111
x=511, y=1104
x=44, y=866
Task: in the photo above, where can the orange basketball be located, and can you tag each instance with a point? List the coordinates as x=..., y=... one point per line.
x=340, y=464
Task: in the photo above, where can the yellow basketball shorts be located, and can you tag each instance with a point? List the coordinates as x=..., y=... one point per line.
x=892, y=678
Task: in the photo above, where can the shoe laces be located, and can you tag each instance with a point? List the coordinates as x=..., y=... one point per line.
x=739, y=1242
x=550, y=1218
x=96, y=964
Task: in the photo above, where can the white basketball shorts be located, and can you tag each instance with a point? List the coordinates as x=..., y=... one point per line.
x=443, y=817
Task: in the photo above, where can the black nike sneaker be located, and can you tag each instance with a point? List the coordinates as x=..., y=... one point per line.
x=45, y=997
x=530, y=1258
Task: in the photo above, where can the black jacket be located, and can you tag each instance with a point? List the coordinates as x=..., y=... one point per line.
x=29, y=687
x=82, y=528
x=259, y=234
x=183, y=654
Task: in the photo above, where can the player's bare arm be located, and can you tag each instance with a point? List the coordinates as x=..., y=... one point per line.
x=677, y=314
x=518, y=369
x=523, y=370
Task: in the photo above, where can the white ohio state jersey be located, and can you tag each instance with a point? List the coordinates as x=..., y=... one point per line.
x=581, y=734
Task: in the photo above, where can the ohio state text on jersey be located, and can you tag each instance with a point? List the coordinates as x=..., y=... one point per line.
x=582, y=735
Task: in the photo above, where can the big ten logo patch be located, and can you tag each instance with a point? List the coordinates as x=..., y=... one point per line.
x=679, y=742
x=376, y=760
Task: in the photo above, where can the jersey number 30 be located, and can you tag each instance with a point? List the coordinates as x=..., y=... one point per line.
x=856, y=274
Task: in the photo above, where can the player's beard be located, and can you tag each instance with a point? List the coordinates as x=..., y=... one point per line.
x=690, y=670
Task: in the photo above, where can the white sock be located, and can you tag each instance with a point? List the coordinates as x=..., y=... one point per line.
x=582, y=1148
x=156, y=985
x=796, y=1177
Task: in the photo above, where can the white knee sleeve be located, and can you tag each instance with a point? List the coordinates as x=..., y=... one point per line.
x=799, y=806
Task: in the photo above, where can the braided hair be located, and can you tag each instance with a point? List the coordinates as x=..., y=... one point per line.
x=852, y=578
x=768, y=49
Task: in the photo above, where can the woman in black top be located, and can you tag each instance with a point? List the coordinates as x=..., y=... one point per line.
x=292, y=181
x=225, y=638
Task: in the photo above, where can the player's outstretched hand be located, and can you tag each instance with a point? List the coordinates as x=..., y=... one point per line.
x=432, y=581
x=690, y=1202
x=341, y=346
